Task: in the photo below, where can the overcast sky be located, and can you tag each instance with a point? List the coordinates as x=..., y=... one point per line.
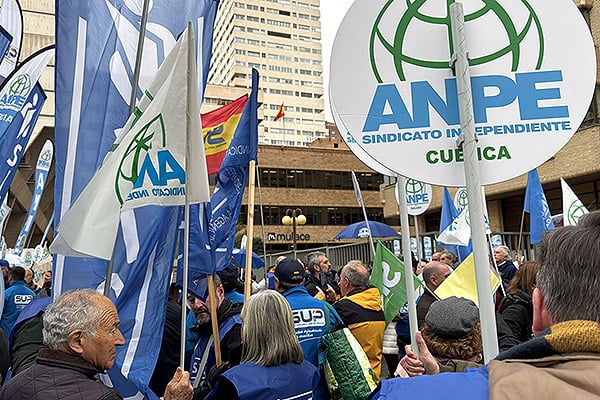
x=332, y=13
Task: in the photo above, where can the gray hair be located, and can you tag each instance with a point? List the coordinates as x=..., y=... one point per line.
x=356, y=273
x=267, y=315
x=448, y=254
x=505, y=250
x=313, y=259
x=71, y=311
x=568, y=277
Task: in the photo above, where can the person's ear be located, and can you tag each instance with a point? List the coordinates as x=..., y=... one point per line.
x=74, y=341
x=541, y=318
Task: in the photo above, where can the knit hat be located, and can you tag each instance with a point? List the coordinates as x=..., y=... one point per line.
x=452, y=318
x=290, y=271
x=4, y=263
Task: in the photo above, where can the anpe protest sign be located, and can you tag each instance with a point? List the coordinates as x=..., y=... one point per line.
x=533, y=73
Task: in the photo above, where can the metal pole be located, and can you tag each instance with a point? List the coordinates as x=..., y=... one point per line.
x=138, y=57
x=468, y=141
x=418, y=239
x=294, y=233
x=408, y=272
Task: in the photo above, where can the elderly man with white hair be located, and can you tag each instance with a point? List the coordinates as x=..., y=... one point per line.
x=81, y=330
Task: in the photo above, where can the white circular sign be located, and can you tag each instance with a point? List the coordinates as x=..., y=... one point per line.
x=533, y=73
x=356, y=149
x=418, y=196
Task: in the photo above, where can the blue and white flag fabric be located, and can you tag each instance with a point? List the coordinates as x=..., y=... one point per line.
x=94, y=66
x=15, y=91
x=226, y=200
x=212, y=226
x=357, y=190
x=5, y=40
x=536, y=205
x=94, y=69
x=4, y=213
x=43, y=165
x=147, y=165
x=573, y=208
x=11, y=20
x=459, y=231
x=449, y=214
x=15, y=140
x=139, y=291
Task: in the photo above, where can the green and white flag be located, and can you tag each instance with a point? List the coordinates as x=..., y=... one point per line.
x=158, y=157
x=388, y=277
x=573, y=208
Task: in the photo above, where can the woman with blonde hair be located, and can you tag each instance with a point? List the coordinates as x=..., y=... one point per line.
x=273, y=364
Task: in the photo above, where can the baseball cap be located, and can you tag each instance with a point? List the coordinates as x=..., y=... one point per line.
x=289, y=271
x=4, y=263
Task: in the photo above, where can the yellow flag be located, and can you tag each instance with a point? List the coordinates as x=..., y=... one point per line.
x=461, y=282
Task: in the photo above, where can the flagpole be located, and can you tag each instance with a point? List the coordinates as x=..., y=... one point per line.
x=361, y=203
x=138, y=56
x=418, y=241
x=468, y=142
x=521, y=231
x=132, y=101
x=262, y=216
x=47, y=229
x=250, y=230
x=408, y=272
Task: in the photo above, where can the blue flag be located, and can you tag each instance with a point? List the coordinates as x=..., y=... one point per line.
x=449, y=214
x=212, y=229
x=42, y=169
x=537, y=207
x=16, y=137
x=95, y=60
x=226, y=200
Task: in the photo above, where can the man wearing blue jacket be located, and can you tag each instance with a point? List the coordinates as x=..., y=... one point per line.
x=563, y=360
x=312, y=317
x=16, y=297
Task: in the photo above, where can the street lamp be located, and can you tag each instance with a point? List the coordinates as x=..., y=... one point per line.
x=293, y=217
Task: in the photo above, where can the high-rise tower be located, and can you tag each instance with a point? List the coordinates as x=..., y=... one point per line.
x=282, y=39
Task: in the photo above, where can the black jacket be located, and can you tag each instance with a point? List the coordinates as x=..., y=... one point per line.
x=312, y=282
x=58, y=376
x=517, y=311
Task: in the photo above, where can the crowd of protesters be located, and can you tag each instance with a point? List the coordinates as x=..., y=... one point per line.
x=271, y=346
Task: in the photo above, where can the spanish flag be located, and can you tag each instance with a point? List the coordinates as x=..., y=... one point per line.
x=280, y=113
x=218, y=127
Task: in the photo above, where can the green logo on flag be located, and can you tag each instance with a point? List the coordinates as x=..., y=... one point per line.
x=388, y=277
x=20, y=86
x=575, y=211
x=138, y=148
x=417, y=22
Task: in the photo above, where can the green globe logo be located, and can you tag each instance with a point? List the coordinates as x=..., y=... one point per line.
x=20, y=86
x=390, y=39
x=414, y=187
x=140, y=144
x=462, y=198
x=575, y=211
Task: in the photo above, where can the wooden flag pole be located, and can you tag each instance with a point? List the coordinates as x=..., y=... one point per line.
x=212, y=296
x=250, y=230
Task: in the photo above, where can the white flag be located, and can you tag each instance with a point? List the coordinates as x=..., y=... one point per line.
x=459, y=231
x=357, y=189
x=147, y=165
x=573, y=208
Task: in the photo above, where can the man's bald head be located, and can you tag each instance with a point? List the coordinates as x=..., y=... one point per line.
x=435, y=273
